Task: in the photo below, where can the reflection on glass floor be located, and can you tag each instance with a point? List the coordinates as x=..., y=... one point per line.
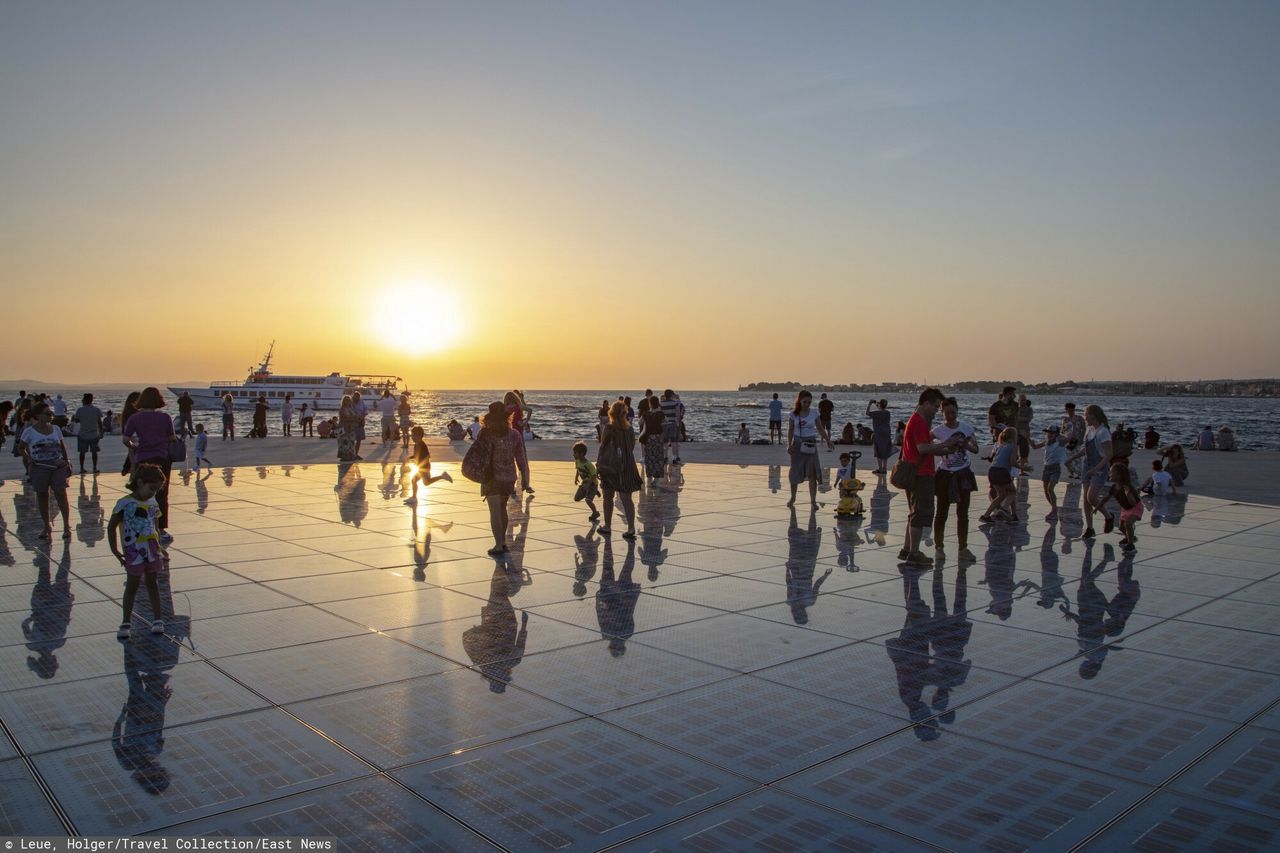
x=740, y=676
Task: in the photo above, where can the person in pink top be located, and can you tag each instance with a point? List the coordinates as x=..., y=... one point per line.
x=919, y=447
x=148, y=433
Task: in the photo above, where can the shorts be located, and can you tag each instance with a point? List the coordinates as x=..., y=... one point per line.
x=670, y=431
x=497, y=488
x=1050, y=474
x=87, y=445
x=1098, y=478
x=587, y=491
x=999, y=477
x=228, y=419
x=920, y=501
x=1133, y=513
x=775, y=425
x=44, y=478
x=151, y=567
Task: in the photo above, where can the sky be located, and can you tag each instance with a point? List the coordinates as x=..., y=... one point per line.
x=608, y=194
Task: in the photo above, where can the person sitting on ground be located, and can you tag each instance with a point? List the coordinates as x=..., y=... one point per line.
x=899, y=433
x=744, y=434
x=1175, y=462
x=865, y=435
x=1151, y=440
x=1205, y=440
x=846, y=434
x=474, y=429
x=456, y=432
x=1226, y=438
x=1160, y=482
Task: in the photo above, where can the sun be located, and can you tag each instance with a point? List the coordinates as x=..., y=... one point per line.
x=419, y=317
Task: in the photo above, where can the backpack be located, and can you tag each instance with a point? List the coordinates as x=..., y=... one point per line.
x=477, y=465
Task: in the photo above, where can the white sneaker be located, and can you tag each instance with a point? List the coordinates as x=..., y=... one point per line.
x=122, y=633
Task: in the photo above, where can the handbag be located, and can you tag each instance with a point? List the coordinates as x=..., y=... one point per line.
x=903, y=475
x=808, y=445
x=177, y=450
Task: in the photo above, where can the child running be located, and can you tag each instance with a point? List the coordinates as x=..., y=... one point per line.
x=142, y=556
x=1001, y=478
x=1055, y=456
x=422, y=460
x=1124, y=493
x=202, y=448
x=585, y=475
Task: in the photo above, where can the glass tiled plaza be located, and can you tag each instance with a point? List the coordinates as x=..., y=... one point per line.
x=740, y=677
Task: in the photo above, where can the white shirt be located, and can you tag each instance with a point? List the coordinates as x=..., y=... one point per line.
x=59, y=407
x=44, y=449
x=805, y=426
x=286, y=410
x=474, y=429
x=387, y=405
x=959, y=459
x=1161, y=482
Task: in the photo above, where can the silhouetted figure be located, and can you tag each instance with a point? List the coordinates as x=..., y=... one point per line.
x=616, y=599
x=496, y=645
x=802, y=562
x=45, y=630
x=1091, y=608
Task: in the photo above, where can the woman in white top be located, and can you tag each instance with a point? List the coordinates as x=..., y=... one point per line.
x=286, y=414
x=1097, y=457
x=954, y=481
x=804, y=431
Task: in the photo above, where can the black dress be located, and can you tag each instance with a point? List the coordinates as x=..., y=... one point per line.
x=616, y=461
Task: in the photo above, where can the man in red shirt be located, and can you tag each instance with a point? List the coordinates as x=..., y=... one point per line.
x=918, y=446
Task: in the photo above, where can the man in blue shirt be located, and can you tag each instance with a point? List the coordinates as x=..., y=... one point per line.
x=775, y=419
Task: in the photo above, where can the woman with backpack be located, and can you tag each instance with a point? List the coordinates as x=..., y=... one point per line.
x=492, y=461
x=616, y=465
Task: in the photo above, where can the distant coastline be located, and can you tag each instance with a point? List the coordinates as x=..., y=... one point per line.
x=1198, y=388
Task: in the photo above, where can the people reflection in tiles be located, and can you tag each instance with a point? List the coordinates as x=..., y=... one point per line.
x=202, y=492
x=775, y=478
x=878, y=525
x=45, y=630
x=803, y=545
x=586, y=557
x=228, y=476
x=92, y=527
x=496, y=645
x=1050, y=578
x=847, y=536
x=1098, y=617
x=353, y=500
x=137, y=737
x=929, y=652
x=421, y=530
x=650, y=508
x=616, y=599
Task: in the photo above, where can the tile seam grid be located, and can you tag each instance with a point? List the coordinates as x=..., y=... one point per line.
x=41, y=785
x=1168, y=782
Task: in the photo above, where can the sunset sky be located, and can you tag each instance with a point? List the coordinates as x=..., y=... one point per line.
x=606, y=194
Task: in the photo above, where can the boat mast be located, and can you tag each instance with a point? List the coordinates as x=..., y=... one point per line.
x=266, y=360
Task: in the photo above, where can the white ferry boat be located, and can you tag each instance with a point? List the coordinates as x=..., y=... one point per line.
x=322, y=393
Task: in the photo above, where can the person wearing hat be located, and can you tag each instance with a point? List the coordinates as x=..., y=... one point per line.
x=1055, y=456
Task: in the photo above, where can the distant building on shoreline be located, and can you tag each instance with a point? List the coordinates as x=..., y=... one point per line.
x=1198, y=388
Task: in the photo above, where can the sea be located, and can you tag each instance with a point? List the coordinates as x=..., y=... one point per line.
x=716, y=415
